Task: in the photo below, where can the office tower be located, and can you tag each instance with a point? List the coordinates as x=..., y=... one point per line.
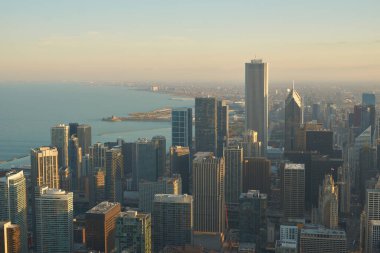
x=206, y=124
x=208, y=193
x=75, y=161
x=13, y=205
x=97, y=157
x=256, y=174
x=256, y=100
x=114, y=169
x=60, y=140
x=44, y=166
x=368, y=99
x=300, y=138
x=172, y=220
x=233, y=158
x=144, y=162
x=374, y=236
x=320, y=141
x=73, y=129
x=361, y=141
x=328, y=203
x=317, y=239
x=367, y=169
x=293, y=118
x=251, y=147
x=163, y=185
x=180, y=164
x=293, y=190
x=253, y=218
x=97, y=194
x=10, y=238
x=285, y=247
x=65, y=179
x=371, y=213
x=84, y=137
x=182, y=127
x=316, y=111
x=101, y=226
x=54, y=220
x=222, y=126
x=160, y=146
x=133, y=232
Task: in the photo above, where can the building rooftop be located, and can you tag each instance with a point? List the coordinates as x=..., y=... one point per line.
x=312, y=229
x=290, y=244
x=171, y=198
x=11, y=175
x=133, y=214
x=103, y=207
x=253, y=194
x=294, y=166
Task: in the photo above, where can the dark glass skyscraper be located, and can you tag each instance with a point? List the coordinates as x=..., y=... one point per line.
x=182, y=127
x=206, y=124
x=223, y=127
x=293, y=118
x=84, y=137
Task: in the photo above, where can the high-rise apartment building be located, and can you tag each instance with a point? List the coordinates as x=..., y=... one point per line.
x=172, y=220
x=101, y=226
x=134, y=232
x=44, y=163
x=114, y=170
x=163, y=185
x=60, y=140
x=222, y=126
x=328, y=203
x=208, y=192
x=84, y=137
x=233, y=158
x=256, y=174
x=318, y=239
x=293, y=190
x=206, y=124
x=10, y=238
x=180, y=165
x=54, y=220
x=256, y=99
x=13, y=203
x=293, y=118
x=182, y=127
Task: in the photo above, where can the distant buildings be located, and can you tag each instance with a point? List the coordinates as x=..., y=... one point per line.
x=133, y=232
x=114, y=174
x=182, y=127
x=13, y=204
x=256, y=174
x=328, y=203
x=222, y=126
x=60, y=140
x=293, y=118
x=84, y=137
x=173, y=220
x=101, y=226
x=256, y=99
x=180, y=165
x=54, y=220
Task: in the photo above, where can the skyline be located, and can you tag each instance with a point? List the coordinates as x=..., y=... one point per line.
x=194, y=41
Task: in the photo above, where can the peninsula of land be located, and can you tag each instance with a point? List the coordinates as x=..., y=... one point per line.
x=163, y=114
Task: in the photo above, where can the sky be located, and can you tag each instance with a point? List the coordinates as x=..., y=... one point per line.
x=182, y=41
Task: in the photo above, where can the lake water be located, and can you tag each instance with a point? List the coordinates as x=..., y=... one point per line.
x=28, y=111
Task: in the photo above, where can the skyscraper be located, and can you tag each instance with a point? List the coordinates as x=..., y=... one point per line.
x=84, y=137
x=208, y=193
x=206, y=124
x=114, y=170
x=368, y=99
x=160, y=146
x=180, y=164
x=251, y=147
x=233, y=157
x=13, y=206
x=10, y=238
x=172, y=220
x=75, y=161
x=101, y=226
x=293, y=190
x=163, y=185
x=134, y=232
x=222, y=126
x=293, y=118
x=328, y=203
x=60, y=140
x=256, y=99
x=97, y=157
x=256, y=174
x=44, y=166
x=54, y=220
x=182, y=127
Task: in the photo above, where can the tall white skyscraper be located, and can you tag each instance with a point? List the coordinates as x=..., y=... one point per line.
x=256, y=99
x=13, y=203
x=60, y=140
x=54, y=220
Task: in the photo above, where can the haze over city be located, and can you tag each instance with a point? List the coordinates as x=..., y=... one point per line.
x=196, y=41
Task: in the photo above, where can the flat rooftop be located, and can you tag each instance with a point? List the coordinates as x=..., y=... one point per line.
x=103, y=207
x=171, y=198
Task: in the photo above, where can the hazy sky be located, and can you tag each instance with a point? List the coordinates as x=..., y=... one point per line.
x=189, y=40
